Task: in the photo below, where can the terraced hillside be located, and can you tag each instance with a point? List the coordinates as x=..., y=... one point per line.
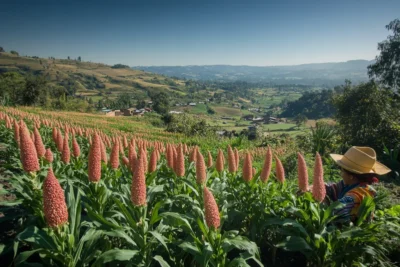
x=91, y=79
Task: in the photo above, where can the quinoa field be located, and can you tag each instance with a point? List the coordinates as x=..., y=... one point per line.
x=80, y=190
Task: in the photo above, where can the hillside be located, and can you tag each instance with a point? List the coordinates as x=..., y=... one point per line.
x=91, y=79
x=317, y=74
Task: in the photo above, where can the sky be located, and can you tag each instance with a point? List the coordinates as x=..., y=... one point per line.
x=197, y=32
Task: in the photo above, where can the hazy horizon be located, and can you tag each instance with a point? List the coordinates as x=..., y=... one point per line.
x=194, y=33
x=244, y=65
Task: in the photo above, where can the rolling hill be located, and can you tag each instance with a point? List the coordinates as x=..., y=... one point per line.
x=91, y=79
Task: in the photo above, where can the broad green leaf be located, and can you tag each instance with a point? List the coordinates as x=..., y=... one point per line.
x=128, y=216
x=90, y=236
x=294, y=243
x=328, y=213
x=154, y=214
x=202, y=227
x=238, y=262
x=101, y=219
x=206, y=254
x=160, y=238
x=23, y=256
x=240, y=243
x=176, y=220
x=287, y=223
x=115, y=255
x=38, y=238
x=161, y=261
x=190, y=248
x=367, y=206
x=121, y=234
x=153, y=190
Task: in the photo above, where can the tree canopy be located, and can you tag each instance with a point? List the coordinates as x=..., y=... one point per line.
x=387, y=67
x=368, y=116
x=160, y=103
x=313, y=105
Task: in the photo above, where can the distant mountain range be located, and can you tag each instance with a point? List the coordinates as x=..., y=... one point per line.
x=318, y=74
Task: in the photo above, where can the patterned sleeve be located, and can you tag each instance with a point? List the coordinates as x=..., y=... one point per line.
x=334, y=189
x=345, y=213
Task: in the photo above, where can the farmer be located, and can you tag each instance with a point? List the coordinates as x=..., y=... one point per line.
x=359, y=170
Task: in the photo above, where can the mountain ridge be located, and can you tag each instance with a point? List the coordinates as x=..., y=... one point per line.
x=329, y=73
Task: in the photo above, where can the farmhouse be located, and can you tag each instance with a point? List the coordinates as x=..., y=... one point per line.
x=128, y=111
x=220, y=133
x=248, y=117
x=274, y=120
x=192, y=104
x=236, y=105
x=175, y=112
x=111, y=113
x=258, y=119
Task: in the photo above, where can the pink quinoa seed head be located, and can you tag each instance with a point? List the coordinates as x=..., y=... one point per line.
x=54, y=206
x=211, y=210
x=302, y=173
x=318, y=190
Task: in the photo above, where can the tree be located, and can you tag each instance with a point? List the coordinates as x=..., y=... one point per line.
x=314, y=105
x=79, y=59
x=35, y=89
x=160, y=103
x=368, y=116
x=11, y=86
x=141, y=104
x=300, y=119
x=210, y=110
x=123, y=101
x=68, y=58
x=387, y=66
x=1, y=49
x=14, y=52
x=187, y=125
x=267, y=115
x=120, y=66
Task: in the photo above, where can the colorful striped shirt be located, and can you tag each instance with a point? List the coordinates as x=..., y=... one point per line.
x=351, y=196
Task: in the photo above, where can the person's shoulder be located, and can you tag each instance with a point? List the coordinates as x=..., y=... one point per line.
x=358, y=193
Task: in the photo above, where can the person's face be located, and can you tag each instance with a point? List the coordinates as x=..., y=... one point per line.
x=347, y=178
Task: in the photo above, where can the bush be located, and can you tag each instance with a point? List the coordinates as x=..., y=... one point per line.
x=120, y=66
x=188, y=126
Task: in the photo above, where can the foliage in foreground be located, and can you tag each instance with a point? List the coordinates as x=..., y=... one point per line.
x=257, y=218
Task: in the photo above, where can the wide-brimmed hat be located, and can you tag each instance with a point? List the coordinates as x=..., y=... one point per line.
x=360, y=160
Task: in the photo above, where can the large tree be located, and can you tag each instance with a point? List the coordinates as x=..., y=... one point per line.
x=368, y=116
x=387, y=66
x=160, y=103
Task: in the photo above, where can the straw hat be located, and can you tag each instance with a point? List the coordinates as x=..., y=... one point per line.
x=360, y=160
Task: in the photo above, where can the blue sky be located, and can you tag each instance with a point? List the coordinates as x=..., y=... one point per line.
x=191, y=32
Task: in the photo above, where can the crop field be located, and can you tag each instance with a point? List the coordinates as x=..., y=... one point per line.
x=83, y=191
x=226, y=111
x=270, y=96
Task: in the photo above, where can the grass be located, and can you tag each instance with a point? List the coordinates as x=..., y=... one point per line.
x=198, y=109
x=226, y=111
x=279, y=126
